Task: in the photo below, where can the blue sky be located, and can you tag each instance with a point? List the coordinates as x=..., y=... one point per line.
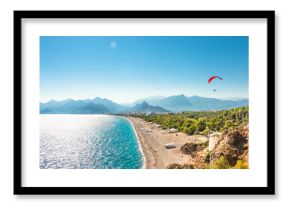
x=126, y=68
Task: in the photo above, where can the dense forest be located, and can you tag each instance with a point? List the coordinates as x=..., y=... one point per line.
x=202, y=122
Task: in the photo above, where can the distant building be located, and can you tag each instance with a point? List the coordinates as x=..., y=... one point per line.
x=172, y=130
x=213, y=140
x=158, y=126
x=170, y=145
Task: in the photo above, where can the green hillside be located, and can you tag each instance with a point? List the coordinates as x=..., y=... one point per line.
x=202, y=122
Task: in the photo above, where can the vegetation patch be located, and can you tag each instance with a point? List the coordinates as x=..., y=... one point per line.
x=241, y=164
x=221, y=163
x=202, y=122
x=179, y=166
x=192, y=147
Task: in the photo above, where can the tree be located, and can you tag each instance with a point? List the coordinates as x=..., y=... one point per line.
x=201, y=124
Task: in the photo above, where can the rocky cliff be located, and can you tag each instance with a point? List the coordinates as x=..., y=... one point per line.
x=229, y=149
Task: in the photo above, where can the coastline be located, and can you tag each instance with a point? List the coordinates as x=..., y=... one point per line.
x=152, y=140
x=139, y=143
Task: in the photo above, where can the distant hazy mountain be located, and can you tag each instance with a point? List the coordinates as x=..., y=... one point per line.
x=153, y=100
x=72, y=107
x=92, y=108
x=201, y=103
x=110, y=105
x=178, y=103
x=64, y=106
x=144, y=107
x=95, y=106
x=156, y=104
x=175, y=103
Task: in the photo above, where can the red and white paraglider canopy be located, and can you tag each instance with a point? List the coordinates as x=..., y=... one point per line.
x=212, y=78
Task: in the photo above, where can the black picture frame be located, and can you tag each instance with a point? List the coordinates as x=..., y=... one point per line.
x=18, y=94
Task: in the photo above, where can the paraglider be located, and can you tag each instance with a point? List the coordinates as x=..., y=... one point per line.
x=213, y=78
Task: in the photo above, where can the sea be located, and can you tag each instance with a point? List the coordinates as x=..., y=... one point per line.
x=88, y=142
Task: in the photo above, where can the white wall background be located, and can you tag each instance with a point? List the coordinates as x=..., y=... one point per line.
x=282, y=98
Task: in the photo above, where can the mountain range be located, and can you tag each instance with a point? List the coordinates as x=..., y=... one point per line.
x=155, y=104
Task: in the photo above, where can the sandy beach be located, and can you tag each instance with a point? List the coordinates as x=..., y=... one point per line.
x=153, y=139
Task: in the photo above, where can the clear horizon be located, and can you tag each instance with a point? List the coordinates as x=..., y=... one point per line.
x=125, y=69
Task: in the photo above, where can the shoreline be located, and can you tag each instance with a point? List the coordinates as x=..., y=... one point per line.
x=139, y=143
x=152, y=140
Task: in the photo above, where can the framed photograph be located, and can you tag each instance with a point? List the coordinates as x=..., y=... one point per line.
x=144, y=102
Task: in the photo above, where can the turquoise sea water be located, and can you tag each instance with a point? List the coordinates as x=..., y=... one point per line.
x=88, y=142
